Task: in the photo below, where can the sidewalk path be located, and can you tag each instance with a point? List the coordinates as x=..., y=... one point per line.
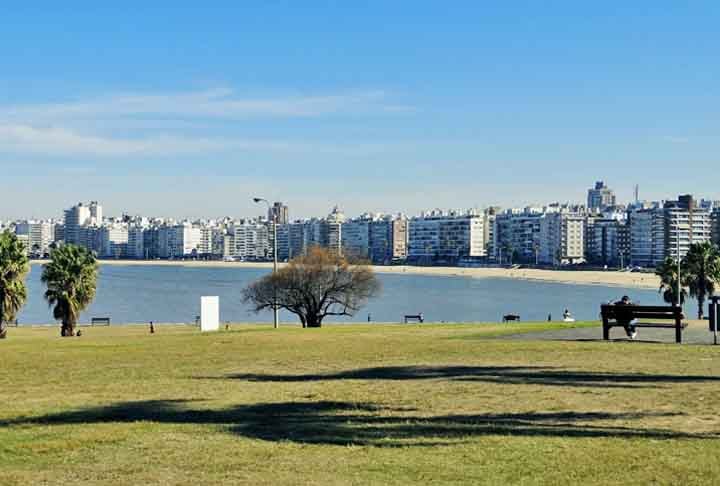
x=696, y=333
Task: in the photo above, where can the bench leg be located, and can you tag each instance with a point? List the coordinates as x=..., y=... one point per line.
x=678, y=334
x=606, y=333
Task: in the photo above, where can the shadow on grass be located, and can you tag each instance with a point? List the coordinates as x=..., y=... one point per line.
x=529, y=375
x=345, y=423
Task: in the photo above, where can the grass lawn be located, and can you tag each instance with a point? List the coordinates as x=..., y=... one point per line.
x=360, y=404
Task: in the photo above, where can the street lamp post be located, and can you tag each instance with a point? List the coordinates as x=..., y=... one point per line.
x=275, y=257
x=679, y=288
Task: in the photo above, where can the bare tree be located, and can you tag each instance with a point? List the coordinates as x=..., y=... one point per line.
x=314, y=286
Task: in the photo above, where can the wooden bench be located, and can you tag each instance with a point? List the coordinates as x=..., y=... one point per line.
x=100, y=321
x=416, y=317
x=511, y=317
x=612, y=312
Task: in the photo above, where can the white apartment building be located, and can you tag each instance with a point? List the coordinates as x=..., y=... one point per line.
x=38, y=236
x=249, y=240
x=78, y=219
x=331, y=231
x=179, y=241
x=562, y=238
x=440, y=237
x=667, y=230
x=113, y=240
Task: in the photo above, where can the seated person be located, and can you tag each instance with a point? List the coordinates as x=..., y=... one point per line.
x=626, y=319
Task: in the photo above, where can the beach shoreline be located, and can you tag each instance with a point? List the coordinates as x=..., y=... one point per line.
x=578, y=277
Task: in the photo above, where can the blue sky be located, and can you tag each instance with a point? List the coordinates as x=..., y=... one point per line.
x=380, y=106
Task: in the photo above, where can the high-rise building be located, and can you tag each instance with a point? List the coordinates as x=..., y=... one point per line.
x=40, y=234
x=75, y=218
x=686, y=223
x=388, y=239
x=113, y=240
x=667, y=230
x=355, y=237
x=562, y=238
x=179, y=241
x=604, y=241
x=600, y=197
x=644, y=224
x=81, y=223
x=280, y=211
x=516, y=236
x=331, y=235
x=437, y=237
x=136, y=242
x=716, y=225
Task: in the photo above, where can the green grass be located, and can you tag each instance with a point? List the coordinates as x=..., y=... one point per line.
x=361, y=404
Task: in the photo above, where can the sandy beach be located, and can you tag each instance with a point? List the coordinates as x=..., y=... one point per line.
x=608, y=278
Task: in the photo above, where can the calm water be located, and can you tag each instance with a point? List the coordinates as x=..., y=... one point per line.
x=138, y=294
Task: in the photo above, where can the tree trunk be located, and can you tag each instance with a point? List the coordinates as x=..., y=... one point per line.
x=313, y=320
x=3, y=329
x=701, y=306
x=67, y=329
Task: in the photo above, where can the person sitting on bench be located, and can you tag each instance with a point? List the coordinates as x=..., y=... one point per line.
x=627, y=321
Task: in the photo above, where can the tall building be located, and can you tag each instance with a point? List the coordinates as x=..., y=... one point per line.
x=81, y=222
x=437, y=237
x=75, y=218
x=562, y=238
x=113, y=240
x=39, y=235
x=516, y=235
x=388, y=240
x=667, y=230
x=600, y=197
x=136, y=242
x=331, y=236
x=686, y=223
x=280, y=211
x=716, y=225
x=355, y=237
x=644, y=225
x=604, y=241
x=179, y=241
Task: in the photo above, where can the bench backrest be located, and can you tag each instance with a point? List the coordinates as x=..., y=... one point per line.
x=629, y=312
x=100, y=320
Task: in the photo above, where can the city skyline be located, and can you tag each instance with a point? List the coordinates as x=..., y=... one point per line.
x=194, y=111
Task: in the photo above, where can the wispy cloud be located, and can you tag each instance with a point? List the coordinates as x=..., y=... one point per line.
x=215, y=103
x=167, y=124
x=28, y=140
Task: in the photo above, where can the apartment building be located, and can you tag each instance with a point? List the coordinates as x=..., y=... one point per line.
x=112, y=240
x=37, y=236
x=562, y=238
x=437, y=237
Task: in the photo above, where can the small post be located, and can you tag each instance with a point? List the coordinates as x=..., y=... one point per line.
x=714, y=317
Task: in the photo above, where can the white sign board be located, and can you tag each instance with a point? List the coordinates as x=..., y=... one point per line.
x=209, y=313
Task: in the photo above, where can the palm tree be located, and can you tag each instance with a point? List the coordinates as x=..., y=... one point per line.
x=702, y=264
x=14, y=267
x=667, y=271
x=71, y=279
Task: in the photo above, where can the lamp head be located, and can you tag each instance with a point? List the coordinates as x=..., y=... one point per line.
x=257, y=199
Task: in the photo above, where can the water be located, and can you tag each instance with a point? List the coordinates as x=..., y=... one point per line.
x=138, y=294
